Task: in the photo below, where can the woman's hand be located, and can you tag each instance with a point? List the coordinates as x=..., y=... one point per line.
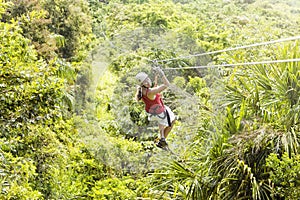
x=159, y=71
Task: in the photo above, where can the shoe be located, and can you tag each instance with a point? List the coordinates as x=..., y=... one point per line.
x=162, y=142
x=159, y=145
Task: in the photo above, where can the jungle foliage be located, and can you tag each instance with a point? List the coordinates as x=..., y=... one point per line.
x=71, y=129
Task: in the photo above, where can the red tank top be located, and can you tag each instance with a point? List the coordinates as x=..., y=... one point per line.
x=155, y=106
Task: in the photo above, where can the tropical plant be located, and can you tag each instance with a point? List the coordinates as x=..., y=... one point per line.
x=262, y=100
x=284, y=173
x=38, y=139
x=260, y=117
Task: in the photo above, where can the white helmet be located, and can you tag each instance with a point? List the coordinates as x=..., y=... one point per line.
x=140, y=77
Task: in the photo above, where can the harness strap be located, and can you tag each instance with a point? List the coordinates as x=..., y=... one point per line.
x=166, y=113
x=168, y=118
x=158, y=115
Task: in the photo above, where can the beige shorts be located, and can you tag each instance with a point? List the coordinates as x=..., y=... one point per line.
x=162, y=117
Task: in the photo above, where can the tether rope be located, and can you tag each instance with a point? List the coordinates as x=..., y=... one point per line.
x=237, y=64
x=232, y=49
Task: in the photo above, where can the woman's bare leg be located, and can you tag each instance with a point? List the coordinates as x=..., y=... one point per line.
x=161, y=130
x=168, y=129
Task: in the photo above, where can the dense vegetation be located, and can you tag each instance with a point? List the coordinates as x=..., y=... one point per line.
x=71, y=129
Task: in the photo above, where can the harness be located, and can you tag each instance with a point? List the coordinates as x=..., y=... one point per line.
x=155, y=109
x=166, y=114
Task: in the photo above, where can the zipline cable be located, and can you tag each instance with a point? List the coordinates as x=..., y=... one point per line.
x=232, y=49
x=237, y=64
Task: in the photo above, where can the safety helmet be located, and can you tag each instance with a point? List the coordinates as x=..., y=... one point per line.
x=140, y=77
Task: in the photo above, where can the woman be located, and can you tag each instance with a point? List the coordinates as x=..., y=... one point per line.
x=154, y=105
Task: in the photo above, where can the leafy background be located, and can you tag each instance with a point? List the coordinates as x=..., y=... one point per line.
x=71, y=129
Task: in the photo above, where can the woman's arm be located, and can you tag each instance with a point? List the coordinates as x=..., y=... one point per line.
x=153, y=91
x=155, y=80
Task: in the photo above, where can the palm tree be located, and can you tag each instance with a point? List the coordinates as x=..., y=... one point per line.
x=261, y=107
x=262, y=117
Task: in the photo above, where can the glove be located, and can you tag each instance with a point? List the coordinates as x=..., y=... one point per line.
x=159, y=71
